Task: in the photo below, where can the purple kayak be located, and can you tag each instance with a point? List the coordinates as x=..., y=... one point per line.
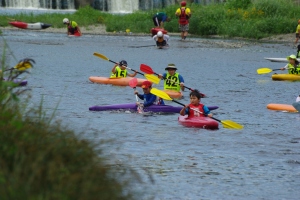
x=19, y=81
x=152, y=108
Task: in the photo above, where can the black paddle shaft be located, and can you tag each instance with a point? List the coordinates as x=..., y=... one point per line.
x=127, y=68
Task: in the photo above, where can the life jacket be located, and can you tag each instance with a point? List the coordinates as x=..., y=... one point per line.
x=293, y=69
x=172, y=82
x=183, y=18
x=119, y=73
x=193, y=113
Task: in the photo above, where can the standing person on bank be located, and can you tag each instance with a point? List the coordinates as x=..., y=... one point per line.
x=161, y=39
x=159, y=19
x=72, y=27
x=184, y=14
x=297, y=33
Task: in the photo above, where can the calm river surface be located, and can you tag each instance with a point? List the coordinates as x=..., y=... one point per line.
x=262, y=161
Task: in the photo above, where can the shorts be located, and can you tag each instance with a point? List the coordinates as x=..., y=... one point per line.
x=297, y=35
x=183, y=27
x=156, y=21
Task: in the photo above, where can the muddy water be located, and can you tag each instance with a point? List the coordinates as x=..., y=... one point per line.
x=262, y=161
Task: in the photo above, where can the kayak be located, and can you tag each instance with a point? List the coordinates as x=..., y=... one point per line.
x=152, y=108
x=279, y=59
x=198, y=122
x=174, y=94
x=281, y=107
x=32, y=26
x=286, y=77
x=19, y=81
x=115, y=81
x=155, y=30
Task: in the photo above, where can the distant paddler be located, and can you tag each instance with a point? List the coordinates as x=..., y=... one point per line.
x=72, y=27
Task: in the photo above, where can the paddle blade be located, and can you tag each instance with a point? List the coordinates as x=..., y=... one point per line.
x=152, y=78
x=133, y=82
x=231, y=124
x=24, y=64
x=264, y=70
x=146, y=69
x=101, y=56
x=160, y=94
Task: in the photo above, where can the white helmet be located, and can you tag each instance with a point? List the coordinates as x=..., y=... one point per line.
x=65, y=20
x=159, y=34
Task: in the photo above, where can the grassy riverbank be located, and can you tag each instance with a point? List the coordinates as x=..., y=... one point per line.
x=40, y=159
x=254, y=19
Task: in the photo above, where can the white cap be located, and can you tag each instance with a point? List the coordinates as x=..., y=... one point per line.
x=65, y=20
x=159, y=34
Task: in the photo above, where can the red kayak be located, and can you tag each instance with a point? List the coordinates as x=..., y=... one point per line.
x=32, y=26
x=198, y=122
x=155, y=30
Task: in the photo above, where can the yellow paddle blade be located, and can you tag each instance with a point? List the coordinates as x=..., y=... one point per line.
x=22, y=66
x=101, y=56
x=160, y=94
x=264, y=70
x=231, y=124
x=151, y=77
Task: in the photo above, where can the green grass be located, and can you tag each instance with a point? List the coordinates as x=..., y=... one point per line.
x=235, y=18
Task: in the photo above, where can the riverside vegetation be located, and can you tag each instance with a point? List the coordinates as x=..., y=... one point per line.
x=253, y=19
x=41, y=159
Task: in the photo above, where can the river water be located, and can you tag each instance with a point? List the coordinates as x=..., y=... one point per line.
x=262, y=161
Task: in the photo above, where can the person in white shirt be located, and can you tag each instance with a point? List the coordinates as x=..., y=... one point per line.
x=298, y=99
x=161, y=39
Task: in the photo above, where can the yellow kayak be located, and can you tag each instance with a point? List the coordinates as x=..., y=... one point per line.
x=286, y=77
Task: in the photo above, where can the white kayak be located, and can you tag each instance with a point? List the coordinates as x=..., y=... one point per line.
x=279, y=59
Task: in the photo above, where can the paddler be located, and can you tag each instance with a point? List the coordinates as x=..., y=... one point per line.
x=72, y=27
x=159, y=19
x=161, y=39
x=293, y=65
x=195, y=107
x=120, y=70
x=172, y=79
x=149, y=98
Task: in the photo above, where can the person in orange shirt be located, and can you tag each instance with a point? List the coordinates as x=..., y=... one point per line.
x=184, y=14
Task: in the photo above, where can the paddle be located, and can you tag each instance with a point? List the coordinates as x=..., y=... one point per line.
x=149, y=77
x=148, y=70
x=266, y=70
x=133, y=83
x=23, y=65
x=226, y=123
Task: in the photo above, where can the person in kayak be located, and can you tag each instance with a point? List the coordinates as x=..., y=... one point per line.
x=161, y=39
x=149, y=98
x=172, y=79
x=195, y=108
x=293, y=65
x=72, y=27
x=120, y=70
x=159, y=19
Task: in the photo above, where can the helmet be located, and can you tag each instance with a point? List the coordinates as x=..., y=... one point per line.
x=159, y=34
x=183, y=3
x=65, y=20
x=123, y=62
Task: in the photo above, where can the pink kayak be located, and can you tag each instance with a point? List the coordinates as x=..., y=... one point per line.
x=32, y=26
x=198, y=122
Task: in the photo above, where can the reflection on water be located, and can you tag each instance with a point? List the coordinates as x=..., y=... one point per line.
x=259, y=162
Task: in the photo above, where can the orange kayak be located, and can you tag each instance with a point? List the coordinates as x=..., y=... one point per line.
x=174, y=94
x=115, y=81
x=281, y=107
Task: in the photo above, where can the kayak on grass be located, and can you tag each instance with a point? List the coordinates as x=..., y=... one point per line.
x=286, y=77
x=32, y=26
x=198, y=122
x=115, y=81
x=152, y=108
x=281, y=107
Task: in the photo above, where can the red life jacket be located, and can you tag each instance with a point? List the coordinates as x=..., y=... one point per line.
x=193, y=113
x=183, y=18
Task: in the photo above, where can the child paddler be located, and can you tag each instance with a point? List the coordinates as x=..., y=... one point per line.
x=120, y=70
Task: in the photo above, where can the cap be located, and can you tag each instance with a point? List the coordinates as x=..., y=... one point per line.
x=183, y=3
x=123, y=62
x=65, y=20
x=292, y=57
x=146, y=84
x=159, y=34
x=171, y=66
